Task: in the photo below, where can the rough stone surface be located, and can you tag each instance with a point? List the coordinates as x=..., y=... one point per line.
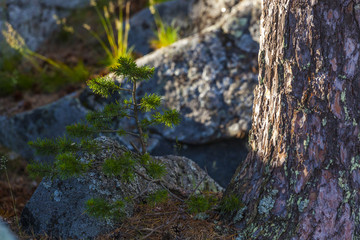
x=34, y=19
x=5, y=233
x=209, y=77
x=45, y=122
x=220, y=159
x=35, y=23
x=57, y=208
x=190, y=16
x=143, y=25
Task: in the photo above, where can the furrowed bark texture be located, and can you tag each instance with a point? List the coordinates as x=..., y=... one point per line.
x=301, y=179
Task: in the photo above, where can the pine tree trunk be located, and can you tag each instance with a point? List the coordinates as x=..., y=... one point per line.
x=301, y=179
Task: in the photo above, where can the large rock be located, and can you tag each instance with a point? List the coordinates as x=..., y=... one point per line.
x=190, y=16
x=142, y=25
x=209, y=77
x=5, y=233
x=45, y=122
x=57, y=208
x=34, y=20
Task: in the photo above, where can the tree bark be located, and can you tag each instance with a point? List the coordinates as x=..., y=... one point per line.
x=301, y=179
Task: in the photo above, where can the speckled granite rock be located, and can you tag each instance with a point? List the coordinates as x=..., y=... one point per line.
x=35, y=23
x=191, y=16
x=57, y=208
x=209, y=77
x=5, y=233
x=34, y=19
x=45, y=122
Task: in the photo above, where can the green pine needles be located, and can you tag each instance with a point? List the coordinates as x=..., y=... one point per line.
x=79, y=139
x=129, y=108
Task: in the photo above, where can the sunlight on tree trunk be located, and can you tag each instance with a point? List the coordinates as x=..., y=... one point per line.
x=301, y=179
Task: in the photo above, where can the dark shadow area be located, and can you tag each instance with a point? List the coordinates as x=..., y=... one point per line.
x=219, y=159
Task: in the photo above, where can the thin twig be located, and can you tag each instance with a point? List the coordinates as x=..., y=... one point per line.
x=197, y=186
x=145, y=190
x=160, y=213
x=158, y=181
x=135, y=147
x=172, y=194
x=115, y=131
x=13, y=199
x=141, y=137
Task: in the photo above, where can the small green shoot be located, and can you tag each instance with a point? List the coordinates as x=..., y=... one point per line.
x=230, y=204
x=100, y=208
x=165, y=34
x=157, y=197
x=200, y=203
x=117, y=39
x=124, y=167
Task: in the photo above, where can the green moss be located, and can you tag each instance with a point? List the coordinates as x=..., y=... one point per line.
x=240, y=214
x=306, y=66
x=200, y=203
x=201, y=216
x=355, y=163
x=354, y=122
x=302, y=204
x=347, y=117
x=342, y=77
x=343, y=96
x=265, y=205
x=324, y=121
x=159, y=196
x=306, y=142
x=292, y=179
x=290, y=201
x=241, y=236
x=342, y=181
x=100, y=208
x=329, y=164
x=230, y=204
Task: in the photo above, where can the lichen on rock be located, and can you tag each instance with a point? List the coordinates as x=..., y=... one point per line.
x=57, y=207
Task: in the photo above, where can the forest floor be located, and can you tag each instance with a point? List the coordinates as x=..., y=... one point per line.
x=167, y=221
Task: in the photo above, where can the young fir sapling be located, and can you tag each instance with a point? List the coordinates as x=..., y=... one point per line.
x=80, y=136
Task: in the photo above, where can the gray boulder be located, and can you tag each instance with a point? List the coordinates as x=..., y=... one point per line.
x=57, y=207
x=142, y=25
x=209, y=77
x=33, y=20
x=45, y=122
x=5, y=233
x=190, y=16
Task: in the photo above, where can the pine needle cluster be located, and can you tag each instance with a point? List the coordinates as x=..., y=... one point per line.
x=80, y=136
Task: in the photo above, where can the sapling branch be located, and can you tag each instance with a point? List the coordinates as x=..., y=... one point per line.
x=141, y=139
x=116, y=131
x=127, y=164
